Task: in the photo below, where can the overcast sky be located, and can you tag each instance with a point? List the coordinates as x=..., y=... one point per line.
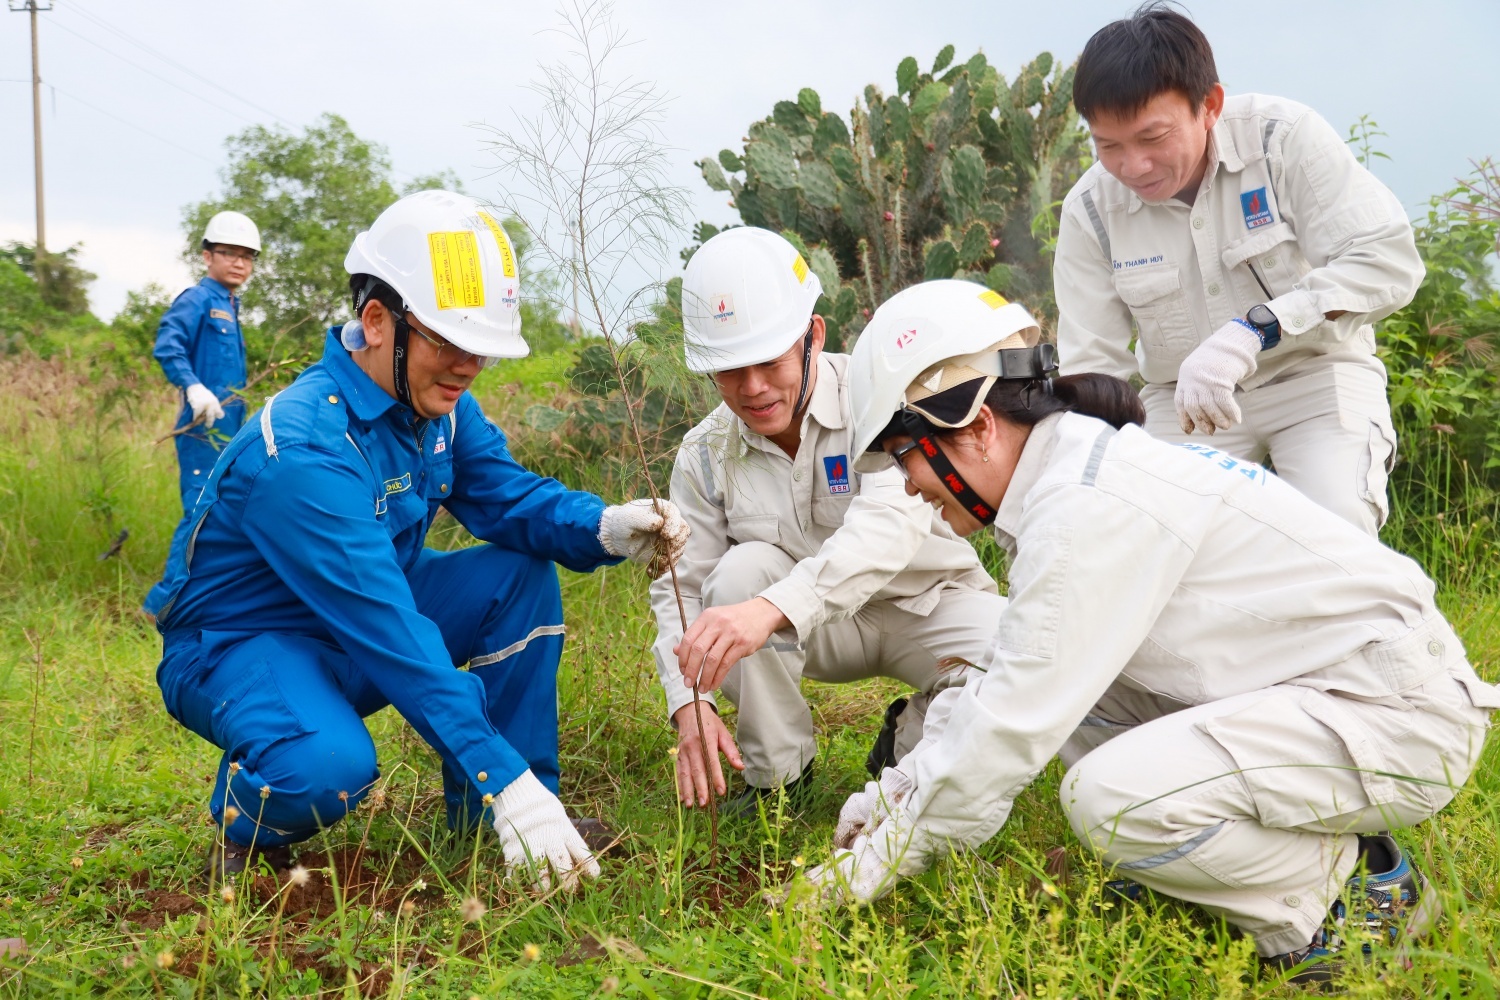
x=133, y=135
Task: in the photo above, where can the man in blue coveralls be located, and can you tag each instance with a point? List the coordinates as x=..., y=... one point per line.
x=201, y=349
x=302, y=599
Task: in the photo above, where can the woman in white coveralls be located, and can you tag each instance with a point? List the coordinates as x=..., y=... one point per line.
x=1246, y=689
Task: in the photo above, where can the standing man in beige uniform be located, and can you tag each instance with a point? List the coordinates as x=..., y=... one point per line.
x=1249, y=251
x=795, y=566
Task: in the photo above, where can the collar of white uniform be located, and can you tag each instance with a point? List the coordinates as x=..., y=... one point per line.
x=1035, y=454
x=825, y=407
x=1221, y=153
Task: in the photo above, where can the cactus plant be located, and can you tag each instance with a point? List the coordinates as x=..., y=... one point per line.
x=958, y=174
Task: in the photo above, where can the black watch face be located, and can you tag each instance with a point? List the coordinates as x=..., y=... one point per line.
x=1262, y=317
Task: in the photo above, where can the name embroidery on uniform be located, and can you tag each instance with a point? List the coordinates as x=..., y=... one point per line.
x=1249, y=470
x=1121, y=265
x=398, y=485
x=220, y=314
x=441, y=446
x=837, y=468
x=1257, y=208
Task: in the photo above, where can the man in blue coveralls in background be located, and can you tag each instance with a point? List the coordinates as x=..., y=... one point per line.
x=202, y=351
x=302, y=599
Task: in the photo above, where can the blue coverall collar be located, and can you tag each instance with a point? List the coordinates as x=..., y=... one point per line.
x=367, y=400
x=217, y=286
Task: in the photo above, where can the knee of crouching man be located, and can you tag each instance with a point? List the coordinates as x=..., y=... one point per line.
x=743, y=572
x=1094, y=809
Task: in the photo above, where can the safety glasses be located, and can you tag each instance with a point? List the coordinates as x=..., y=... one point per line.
x=448, y=354
x=899, y=457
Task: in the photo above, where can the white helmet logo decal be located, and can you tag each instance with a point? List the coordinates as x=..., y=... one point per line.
x=724, y=310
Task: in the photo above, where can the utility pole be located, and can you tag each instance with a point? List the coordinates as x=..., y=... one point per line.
x=34, y=6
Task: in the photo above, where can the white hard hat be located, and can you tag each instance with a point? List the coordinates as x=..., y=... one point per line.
x=231, y=229
x=454, y=266
x=747, y=297
x=924, y=340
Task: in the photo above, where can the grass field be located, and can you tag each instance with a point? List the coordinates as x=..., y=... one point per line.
x=102, y=820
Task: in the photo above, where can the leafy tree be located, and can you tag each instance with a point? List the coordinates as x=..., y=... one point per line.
x=958, y=174
x=134, y=326
x=63, y=285
x=310, y=193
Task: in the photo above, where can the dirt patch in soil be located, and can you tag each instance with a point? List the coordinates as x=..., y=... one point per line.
x=733, y=885
x=362, y=878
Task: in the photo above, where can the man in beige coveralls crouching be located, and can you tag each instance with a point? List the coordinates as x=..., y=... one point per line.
x=796, y=565
x=1250, y=252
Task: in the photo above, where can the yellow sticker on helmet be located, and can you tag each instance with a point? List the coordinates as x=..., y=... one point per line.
x=507, y=256
x=799, y=268
x=457, y=281
x=992, y=299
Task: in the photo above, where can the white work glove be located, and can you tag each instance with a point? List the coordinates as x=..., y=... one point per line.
x=1206, y=380
x=869, y=869
x=205, y=404
x=537, y=835
x=866, y=810
x=631, y=530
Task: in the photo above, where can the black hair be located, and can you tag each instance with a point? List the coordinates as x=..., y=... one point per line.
x=1029, y=401
x=1126, y=63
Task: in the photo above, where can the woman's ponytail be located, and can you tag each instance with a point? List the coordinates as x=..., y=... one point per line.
x=1029, y=401
x=1110, y=399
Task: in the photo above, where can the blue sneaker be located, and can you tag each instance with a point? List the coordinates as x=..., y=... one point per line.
x=1398, y=905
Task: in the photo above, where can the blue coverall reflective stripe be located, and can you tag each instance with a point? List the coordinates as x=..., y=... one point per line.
x=302, y=598
x=199, y=340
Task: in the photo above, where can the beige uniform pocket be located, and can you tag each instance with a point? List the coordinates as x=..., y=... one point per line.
x=1316, y=761
x=830, y=511
x=754, y=528
x=1274, y=254
x=1158, y=304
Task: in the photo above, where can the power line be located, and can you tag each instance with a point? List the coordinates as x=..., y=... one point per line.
x=101, y=22
x=74, y=97
x=170, y=83
x=130, y=124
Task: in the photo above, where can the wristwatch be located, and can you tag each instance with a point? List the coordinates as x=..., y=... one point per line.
x=1266, y=324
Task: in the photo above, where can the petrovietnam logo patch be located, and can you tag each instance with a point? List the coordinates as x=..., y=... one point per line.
x=723, y=310
x=837, y=467
x=1257, y=208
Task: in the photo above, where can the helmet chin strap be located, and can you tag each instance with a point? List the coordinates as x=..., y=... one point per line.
x=922, y=433
x=400, y=343
x=376, y=289
x=807, y=346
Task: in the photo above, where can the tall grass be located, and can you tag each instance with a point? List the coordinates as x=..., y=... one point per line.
x=102, y=819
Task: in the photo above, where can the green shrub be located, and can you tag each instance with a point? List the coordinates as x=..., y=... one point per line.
x=1443, y=356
